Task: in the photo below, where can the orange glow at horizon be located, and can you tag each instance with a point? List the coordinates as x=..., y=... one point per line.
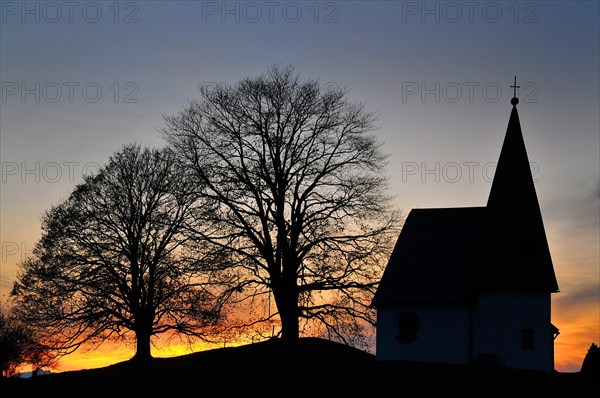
x=579, y=327
x=110, y=354
x=570, y=348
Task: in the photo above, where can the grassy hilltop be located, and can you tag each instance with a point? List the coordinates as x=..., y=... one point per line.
x=311, y=368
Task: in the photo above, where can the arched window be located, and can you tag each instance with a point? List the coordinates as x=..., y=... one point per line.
x=408, y=326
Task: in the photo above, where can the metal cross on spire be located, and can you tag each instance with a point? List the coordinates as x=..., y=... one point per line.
x=514, y=99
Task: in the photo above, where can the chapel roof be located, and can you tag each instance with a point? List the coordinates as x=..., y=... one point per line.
x=445, y=255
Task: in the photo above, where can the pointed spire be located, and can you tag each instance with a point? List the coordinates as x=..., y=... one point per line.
x=513, y=181
x=523, y=258
x=513, y=185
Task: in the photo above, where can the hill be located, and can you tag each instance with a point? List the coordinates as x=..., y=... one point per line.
x=310, y=368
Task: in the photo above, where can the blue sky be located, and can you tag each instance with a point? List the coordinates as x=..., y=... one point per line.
x=80, y=79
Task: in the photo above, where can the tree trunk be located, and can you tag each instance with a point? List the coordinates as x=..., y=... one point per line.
x=286, y=298
x=142, y=351
x=289, y=325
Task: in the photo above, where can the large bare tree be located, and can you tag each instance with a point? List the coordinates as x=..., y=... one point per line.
x=111, y=262
x=297, y=181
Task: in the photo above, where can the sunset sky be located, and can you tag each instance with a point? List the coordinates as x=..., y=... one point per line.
x=80, y=79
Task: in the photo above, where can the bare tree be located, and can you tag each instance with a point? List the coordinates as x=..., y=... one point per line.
x=19, y=346
x=296, y=178
x=13, y=341
x=111, y=262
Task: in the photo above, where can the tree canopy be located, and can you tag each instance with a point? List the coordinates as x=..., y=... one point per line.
x=112, y=262
x=296, y=180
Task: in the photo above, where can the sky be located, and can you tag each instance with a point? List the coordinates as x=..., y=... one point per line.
x=80, y=79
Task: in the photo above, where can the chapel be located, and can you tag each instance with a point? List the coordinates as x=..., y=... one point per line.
x=473, y=285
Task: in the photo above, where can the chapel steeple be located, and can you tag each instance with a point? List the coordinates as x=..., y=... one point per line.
x=523, y=261
x=513, y=182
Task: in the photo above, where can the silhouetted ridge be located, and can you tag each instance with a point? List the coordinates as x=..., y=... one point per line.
x=309, y=368
x=305, y=349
